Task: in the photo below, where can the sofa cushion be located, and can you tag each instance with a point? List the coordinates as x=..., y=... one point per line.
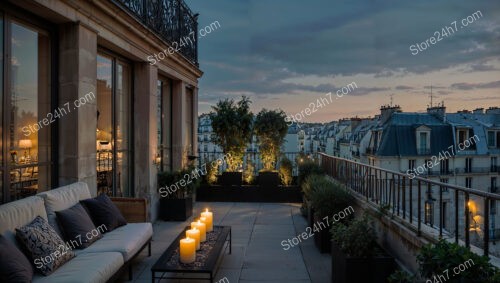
x=77, y=226
x=104, y=212
x=63, y=198
x=85, y=268
x=14, y=266
x=44, y=246
x=19, y=213
x=128, y=240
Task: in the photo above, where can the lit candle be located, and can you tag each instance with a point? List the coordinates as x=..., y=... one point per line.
x=203, y=229
x=194, y=234
x=187, y=250
x=209, y=220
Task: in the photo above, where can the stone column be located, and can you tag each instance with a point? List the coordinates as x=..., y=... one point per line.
x=77, y=128
x=178, y=125
x=145, y=134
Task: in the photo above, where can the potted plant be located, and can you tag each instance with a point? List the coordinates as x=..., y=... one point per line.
x=270, y=128
x=434, y=259
x=176, y=194
x=356, y=257
x=285, y=171
x=328, y=198
x=232, y=126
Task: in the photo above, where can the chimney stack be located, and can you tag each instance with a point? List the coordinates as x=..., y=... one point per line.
x=386, y=112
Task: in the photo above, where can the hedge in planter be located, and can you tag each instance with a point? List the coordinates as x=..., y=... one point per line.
x=356, y=257
x=308, y=167
x=327, y=199
x=176, y=194
x=434, y=259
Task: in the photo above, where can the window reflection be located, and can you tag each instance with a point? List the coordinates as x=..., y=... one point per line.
x=29, y=140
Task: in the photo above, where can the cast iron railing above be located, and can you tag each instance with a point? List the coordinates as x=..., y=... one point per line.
x=171, y=20
x=435, y=208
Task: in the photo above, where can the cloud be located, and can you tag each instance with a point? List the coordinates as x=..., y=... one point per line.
x=469, y=86
x=403, y=87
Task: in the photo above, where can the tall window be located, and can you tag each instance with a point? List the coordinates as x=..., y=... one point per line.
x=164, y=95
x=113, y=145
x=25, y=115
x=189, y=121
x=491, y=139
x=468, y=182
x=423, y=141
x=468, y=165
x=444, y=166
x=411, y=164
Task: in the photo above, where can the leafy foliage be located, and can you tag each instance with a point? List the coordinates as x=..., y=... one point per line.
x=170, y=183
x=401, y=276
x=357, y=239
x=232, y=126
x=270, y=128
x=212, y=171
x=329, y=198
x=248, y=173
x=306, y=168
x=312, y=182
x=285, y=171
x=435, y=259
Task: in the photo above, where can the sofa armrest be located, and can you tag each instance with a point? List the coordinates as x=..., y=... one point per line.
x=135, y=210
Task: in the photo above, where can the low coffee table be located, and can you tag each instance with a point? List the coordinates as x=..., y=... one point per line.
x=207, y=258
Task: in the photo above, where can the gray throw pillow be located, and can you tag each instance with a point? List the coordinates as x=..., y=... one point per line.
x=42, y=243
x=79, y=230
x=14, y=265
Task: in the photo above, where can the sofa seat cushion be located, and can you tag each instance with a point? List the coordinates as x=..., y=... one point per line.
x=89, y=267
x=127, y=240
x=63, y=198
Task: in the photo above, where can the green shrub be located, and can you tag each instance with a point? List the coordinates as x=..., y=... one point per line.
x=170, y=184
x=248, y=173
x=401, y=276
x=212, y=171
x=313, y=182
x=285, y=171
x=306, y=168
x=357, y=239
x=434, y=259
x=329, y=198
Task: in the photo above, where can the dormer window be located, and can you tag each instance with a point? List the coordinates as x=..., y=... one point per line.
x=423, y=142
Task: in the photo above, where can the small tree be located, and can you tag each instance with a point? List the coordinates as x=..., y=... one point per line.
x=270, y=128
x=232, y=125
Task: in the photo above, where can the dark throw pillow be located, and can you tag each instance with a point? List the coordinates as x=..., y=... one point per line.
x=42, y=243
x=104, y=212
x=14, y=265
x=79, y=230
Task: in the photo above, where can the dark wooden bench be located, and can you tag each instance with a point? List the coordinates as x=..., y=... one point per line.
x=171, y=268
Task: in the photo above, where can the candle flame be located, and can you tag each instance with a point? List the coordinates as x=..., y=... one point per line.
x=187, y=238
x=195, y=228
x=199, y=221
x=206, y=210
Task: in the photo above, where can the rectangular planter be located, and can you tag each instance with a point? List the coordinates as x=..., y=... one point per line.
x=269, y=180
x=230, y=179
x=323, y=238
x=347, y=269
x=175, y=209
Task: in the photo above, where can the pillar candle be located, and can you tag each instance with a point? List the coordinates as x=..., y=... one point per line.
x=187, y=250
x=209, y=220
x=194, y=234
x=203, y=229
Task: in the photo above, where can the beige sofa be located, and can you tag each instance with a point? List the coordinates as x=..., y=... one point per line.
x=102, y=261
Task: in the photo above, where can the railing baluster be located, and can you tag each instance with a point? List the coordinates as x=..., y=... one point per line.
x=404, y=198
x=441, y=215
x=419, y=223
x=393, y=185
x=411, y=201
x=486, y=247
x=467, y=224
x=399, y=193
x=456, y=217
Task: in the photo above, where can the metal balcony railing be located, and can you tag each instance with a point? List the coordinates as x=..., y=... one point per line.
x=419, y=202
x=171, y=20
x=423, y=151
x=467, y=170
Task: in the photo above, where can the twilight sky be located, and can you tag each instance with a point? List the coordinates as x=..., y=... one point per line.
x=288, y=53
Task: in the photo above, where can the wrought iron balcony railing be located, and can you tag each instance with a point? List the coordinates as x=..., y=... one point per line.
x=171, y=20
x=420, y=203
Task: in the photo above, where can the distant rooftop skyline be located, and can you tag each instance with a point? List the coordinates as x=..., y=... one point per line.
x=287, y=54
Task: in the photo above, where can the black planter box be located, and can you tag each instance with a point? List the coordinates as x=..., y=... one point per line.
x=175, y=209
x=229, y=179
x=290, y=194
x=310, y=213
x=367, y=270
x=322, y=238
x=269, y=180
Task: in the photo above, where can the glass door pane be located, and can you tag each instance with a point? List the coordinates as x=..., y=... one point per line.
x=165, y=123
x=30, y=113
x=123, y=78
x=104, y=130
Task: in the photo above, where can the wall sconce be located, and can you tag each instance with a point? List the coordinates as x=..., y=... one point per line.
x=157, y=161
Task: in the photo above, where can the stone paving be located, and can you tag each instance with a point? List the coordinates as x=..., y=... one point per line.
x=257, y=255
